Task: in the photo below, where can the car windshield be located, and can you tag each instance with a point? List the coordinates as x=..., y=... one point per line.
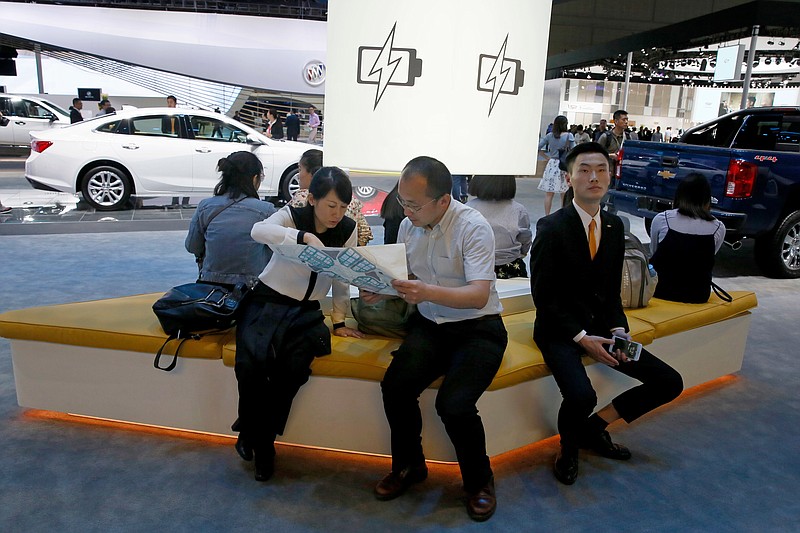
x=57, y=108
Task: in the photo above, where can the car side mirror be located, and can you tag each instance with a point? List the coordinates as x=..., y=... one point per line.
x=52, y=117
x=251, y=139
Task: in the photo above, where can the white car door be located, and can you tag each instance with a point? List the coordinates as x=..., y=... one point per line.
x=28, y=116
x=215, y=138
x=154, y=151
x=7, y=131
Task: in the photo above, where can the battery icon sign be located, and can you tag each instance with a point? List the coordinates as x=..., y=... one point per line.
x=498, y=74
x=386, y=65
x=409, y=68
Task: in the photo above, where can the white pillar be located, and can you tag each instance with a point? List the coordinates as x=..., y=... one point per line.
x=38, y=52
x=627, y=81
x=751, y=55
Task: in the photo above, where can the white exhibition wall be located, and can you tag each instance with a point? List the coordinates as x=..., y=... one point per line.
x=459, y=80
x=62, y=78
x=708, y=101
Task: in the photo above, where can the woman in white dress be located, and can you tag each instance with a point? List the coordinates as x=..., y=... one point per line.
x=552, y=145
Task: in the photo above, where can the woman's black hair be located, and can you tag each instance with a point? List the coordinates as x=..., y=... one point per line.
x=440, y=182
x=328, y=179
x=312, y=160
x=493, y=187
x=237, y=171
x=693, y=197
x=391, y=208
x=560, y=125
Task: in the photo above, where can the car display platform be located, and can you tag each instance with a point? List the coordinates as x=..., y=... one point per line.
x=38, y=212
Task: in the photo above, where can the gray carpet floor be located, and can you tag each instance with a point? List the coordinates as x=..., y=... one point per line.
x=721, y=459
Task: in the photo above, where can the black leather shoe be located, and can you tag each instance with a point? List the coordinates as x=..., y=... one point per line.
x=482, y=504
x=565, y=467
x=396, y=483
x=601, y=444
x=244, y=448
x=265, y=463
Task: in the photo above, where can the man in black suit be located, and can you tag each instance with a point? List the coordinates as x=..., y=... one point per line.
x=292, y=125
x=576, y=272
x=75, y=111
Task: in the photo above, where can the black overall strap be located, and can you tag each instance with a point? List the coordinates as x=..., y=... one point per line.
x=312, y=281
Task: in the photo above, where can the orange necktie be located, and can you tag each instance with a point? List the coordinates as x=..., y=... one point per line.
x=592, y=243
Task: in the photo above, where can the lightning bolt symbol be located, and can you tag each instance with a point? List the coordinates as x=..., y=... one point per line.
x=385, y=66
x=498, y=73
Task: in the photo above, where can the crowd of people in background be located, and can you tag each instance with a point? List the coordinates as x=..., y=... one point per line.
x=585, y=133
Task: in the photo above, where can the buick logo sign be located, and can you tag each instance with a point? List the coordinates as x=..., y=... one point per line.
x=314, y=73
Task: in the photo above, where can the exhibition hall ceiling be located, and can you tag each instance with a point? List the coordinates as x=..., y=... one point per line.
x=673, y=41
x=684, y=52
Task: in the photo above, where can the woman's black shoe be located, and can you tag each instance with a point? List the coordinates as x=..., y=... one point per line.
x=243, y=448
x=265, y=464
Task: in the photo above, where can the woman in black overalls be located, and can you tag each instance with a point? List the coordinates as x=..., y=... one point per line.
x=684, y=241
x=281, y=329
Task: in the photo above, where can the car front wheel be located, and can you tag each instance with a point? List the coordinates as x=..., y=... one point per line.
x=290, y=184
x=106, y=188
x=778, y=252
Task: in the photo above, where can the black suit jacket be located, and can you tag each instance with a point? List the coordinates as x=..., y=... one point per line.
x=571, y=291
x=277, y=129
x=74, y=115
x=292, y=125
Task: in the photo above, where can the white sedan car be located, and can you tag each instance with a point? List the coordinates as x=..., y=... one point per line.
x=26, y=114
x=153, y=152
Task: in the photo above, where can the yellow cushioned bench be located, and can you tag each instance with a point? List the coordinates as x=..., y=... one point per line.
x=127, y=323
x=95, y=358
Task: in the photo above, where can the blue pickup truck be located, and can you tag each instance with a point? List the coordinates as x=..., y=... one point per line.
x=752, y=161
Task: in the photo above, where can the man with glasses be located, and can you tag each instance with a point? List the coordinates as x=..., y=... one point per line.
x=456, y=333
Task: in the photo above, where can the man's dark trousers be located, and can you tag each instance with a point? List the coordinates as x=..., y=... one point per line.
x=660, y=384
x=468, y=353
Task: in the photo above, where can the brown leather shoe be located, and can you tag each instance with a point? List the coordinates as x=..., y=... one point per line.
x=396, y=483
x=482, y=504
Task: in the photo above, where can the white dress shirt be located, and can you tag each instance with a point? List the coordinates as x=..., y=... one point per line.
x=457, y=250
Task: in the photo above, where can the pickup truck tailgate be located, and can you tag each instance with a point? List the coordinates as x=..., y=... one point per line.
x=657, y=168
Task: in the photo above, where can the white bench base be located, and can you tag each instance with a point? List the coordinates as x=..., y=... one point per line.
x=335, y=413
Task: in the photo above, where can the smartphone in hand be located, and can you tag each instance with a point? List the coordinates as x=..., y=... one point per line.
x=631, y=349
